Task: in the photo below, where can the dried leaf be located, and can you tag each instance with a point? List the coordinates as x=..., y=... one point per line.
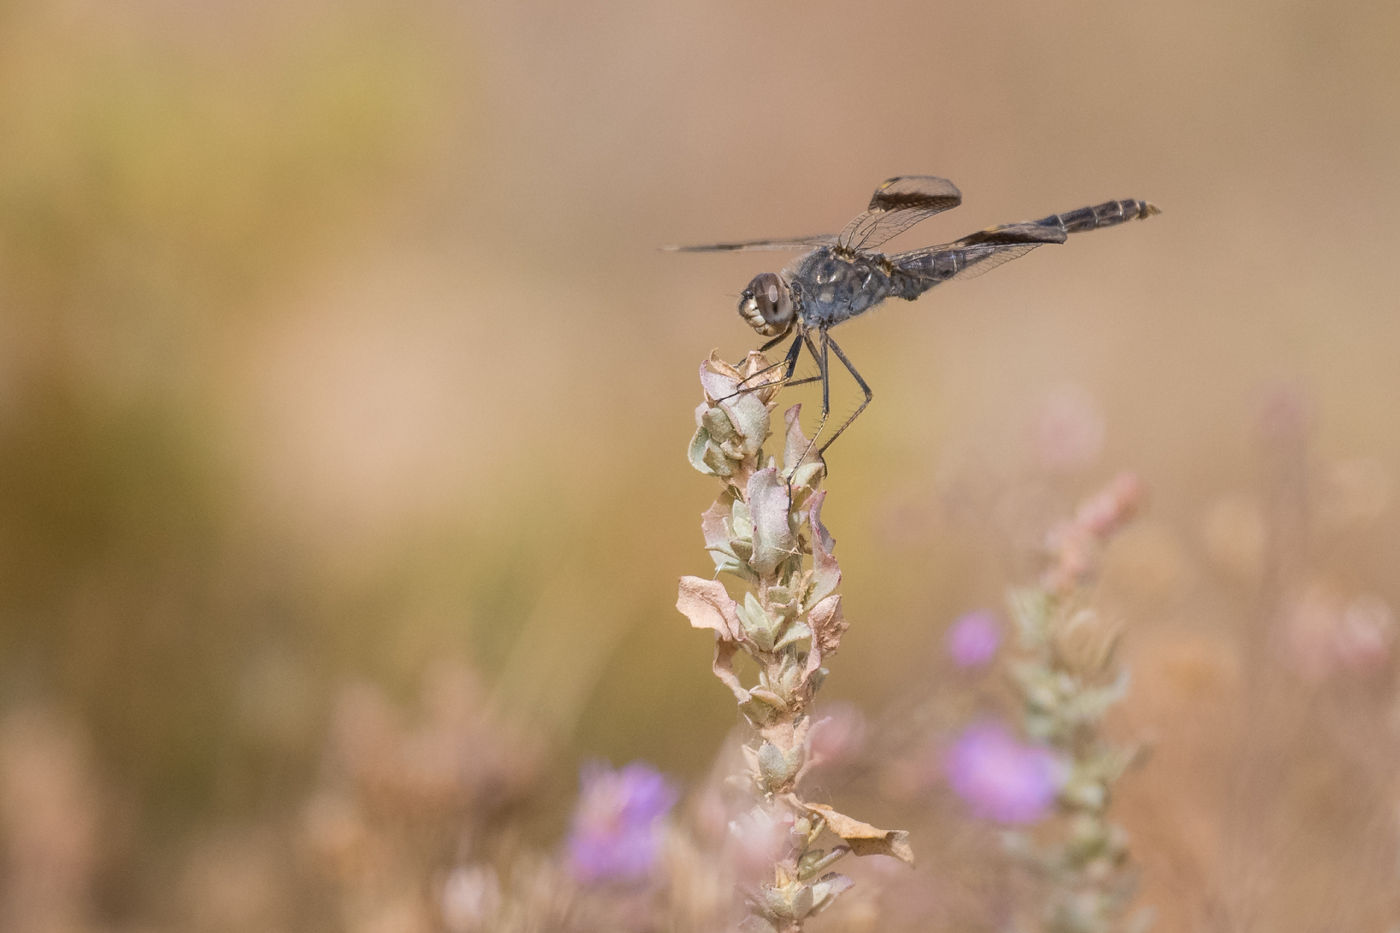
x=723, y=666
x=768, y=698
x=1092, y=704
x=863, y=838
x=712, y=523
x=718, y=378
x=826, y=573
x=777, y=767
x=1085, y=643
x=804, y=473
x=749, y=416
x=699, y=452
x=795, y=442
x=759, y=628
x=827, y=888
x=796, y=632
x=1030, y=611
x=707, y=605
x=735, y=422
x=828, y=625
x=773, y=540
x=756, y=364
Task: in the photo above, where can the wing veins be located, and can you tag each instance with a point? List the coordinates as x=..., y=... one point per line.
x=898, y=204
x=784, y=243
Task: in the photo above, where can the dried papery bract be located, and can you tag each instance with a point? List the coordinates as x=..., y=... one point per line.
x=765, y=531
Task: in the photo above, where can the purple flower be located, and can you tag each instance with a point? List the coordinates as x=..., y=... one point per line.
x=1001, y=778
x=617, y=826
x=973, y=639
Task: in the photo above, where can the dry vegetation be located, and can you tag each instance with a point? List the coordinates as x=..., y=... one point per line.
x=344, y=401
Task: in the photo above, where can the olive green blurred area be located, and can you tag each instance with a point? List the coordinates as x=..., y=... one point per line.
x=335, y=341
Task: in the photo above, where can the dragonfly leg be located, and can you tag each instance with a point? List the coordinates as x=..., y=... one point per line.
x=772, y=343
x=788, y=364
x=824, y=374
x=822, y=371
x=828, y=342
x=794, y=355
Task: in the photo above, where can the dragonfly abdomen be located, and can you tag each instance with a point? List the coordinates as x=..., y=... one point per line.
x=916, y=276
x=1107, y=214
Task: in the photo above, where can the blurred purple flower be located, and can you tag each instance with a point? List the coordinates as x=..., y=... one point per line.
x=1001, y=778
x=973, y=639
x=617, y=826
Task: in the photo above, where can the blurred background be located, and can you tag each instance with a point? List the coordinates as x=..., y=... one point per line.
x=344, y=398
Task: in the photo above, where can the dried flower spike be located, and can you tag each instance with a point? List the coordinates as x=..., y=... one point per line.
x=765, y=531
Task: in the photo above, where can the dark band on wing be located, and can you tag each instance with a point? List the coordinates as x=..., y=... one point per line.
x=898, y=204
x=905, y=192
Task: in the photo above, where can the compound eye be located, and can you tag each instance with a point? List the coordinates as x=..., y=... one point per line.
x=767, y=305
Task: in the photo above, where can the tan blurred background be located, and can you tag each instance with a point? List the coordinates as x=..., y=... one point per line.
x=334, y=341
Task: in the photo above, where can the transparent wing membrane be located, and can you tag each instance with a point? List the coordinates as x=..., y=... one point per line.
x=788, y=243
x=898, y=204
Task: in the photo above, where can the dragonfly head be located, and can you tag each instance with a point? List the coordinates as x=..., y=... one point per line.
x=767, y=305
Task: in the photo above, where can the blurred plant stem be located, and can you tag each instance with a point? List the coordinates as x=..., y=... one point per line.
x=765, y=530
x=1067, y=679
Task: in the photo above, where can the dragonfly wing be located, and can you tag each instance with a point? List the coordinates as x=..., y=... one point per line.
x=898, y=204
x=979, y=260
x=789, y=243
x=1029, y=231
x=977, y=253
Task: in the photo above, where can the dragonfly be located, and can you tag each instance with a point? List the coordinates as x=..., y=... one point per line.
x=841, y=276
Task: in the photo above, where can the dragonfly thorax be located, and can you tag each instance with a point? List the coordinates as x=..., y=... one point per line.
x=767, y=305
